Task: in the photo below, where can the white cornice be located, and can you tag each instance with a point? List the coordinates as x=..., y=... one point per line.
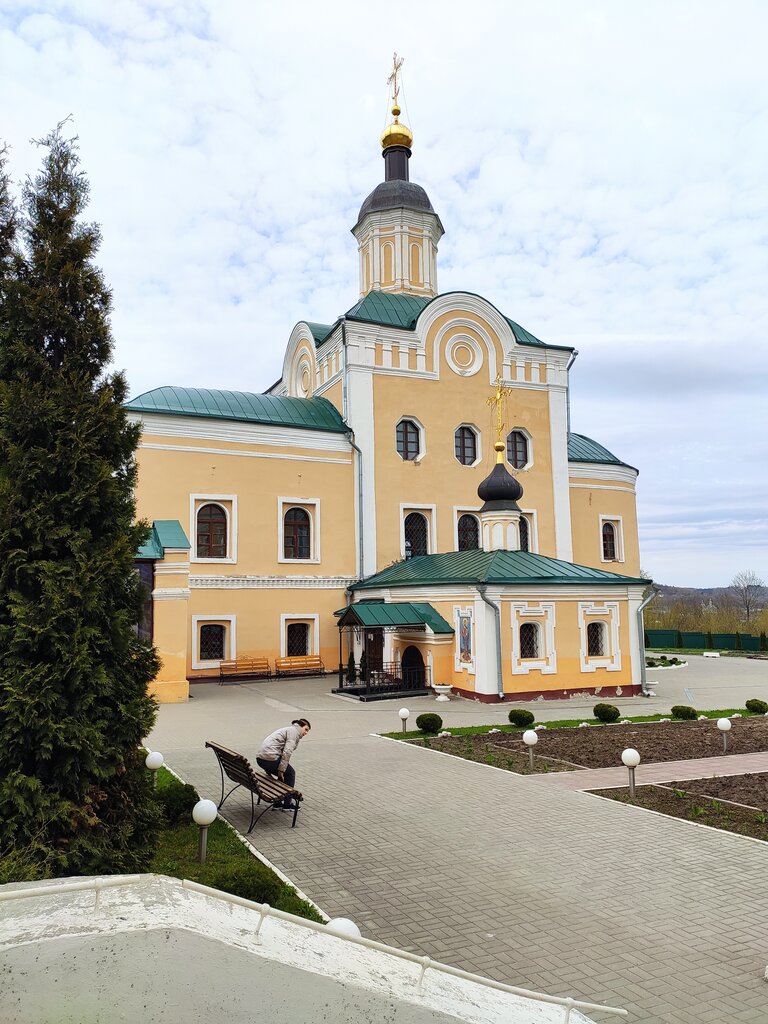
x=211, y=429
x=248, y=582
x=602, y=471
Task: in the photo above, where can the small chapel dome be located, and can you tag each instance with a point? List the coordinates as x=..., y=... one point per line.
x=500, y=490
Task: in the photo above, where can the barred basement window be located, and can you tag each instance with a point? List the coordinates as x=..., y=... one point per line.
x=595, y=639
x=297, y=640
x=211, y=532
x=465, y=445
x=609, y=542
x=416, y=531
x=211, y=643
x=517, y=449
x=407, y=440
x=469, y=533
x=529, y=640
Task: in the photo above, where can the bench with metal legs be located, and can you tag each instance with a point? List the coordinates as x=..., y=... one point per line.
x=273, y=792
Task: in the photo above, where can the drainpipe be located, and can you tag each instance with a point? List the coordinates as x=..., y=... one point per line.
x=481, y=589
x=641, y=640
x=571, y=361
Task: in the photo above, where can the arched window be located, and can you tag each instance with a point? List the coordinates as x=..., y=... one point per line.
x=469, y=533
x=595, y=639
x=297, y=640
x=296, y=534
x=211, y=643
x=525, y=535
x=465, y=445
x=517, y=449
x=407, y=440
x=211, y=532
x=609, y=542
x=529, y=640
x=416, y=531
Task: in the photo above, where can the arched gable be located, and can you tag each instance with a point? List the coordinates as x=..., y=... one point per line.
x=465, y=333
x=300, y=363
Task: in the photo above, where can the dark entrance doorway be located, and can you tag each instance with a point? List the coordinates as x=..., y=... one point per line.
x=413, y=667
x=375, y=649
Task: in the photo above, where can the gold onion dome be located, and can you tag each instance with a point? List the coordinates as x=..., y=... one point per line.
x=396, y=134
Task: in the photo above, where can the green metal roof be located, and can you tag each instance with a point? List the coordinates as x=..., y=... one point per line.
x=165, y=533
x=396, y=310
x=301, y=413
x=492, y=567
x=319, y=331
x=584, y=449
x=375, y=613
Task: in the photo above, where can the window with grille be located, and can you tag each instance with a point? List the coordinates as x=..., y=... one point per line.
x=595, y=639
x=296, y=534
x=525, y=534
x=465, y=445
x=609, y=542
x=469, y=533
x=211, y=643
x=529, y=640
x=297, y=640
x=416, y=531
x=517, y=449
x=407, y=440
x=211, y=532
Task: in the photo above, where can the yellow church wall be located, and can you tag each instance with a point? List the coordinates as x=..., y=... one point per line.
x=335, y=394
x=617, y=504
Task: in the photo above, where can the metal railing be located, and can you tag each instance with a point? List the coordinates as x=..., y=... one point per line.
x=390, y=677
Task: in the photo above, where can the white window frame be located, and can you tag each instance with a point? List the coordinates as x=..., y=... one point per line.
x=618, y=524
x=608, y=613
x=527, y=434
x=544, y=616
x=230, y=638
x=431, y=516
x=478, y=446
x=228, y=503
x=533, y=529
x=458, y=512
x=311, y=618
x=422, y=438
x=310, y=506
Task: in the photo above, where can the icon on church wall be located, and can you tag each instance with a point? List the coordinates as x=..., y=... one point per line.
x=465, y=638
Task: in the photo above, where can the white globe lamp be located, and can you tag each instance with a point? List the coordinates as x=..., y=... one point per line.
x=530, y=738
x=203, y=814
x=154, y=761
x=724, y=725
x=631, y=759
x=404, y=713
x=343, y=926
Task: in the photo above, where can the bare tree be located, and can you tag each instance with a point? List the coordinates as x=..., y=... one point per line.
x=749, y=591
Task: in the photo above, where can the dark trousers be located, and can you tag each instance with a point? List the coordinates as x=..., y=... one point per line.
x=270, y=767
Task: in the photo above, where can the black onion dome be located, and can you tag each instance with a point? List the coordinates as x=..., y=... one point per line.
x=394, y=195
x=500, y=490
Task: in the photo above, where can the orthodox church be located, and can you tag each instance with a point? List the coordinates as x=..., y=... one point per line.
x=410, y=490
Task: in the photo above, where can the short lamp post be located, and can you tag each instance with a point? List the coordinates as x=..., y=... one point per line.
x=203, y=814
x=724, y=725
x=631, y=759
x=343, y=926
x=404, y=713
x=154, y=761
x=530, y=738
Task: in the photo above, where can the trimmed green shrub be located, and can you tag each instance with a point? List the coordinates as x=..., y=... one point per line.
x=757, y=707
x=176, y=801
x=521, y=718
x=606, y=712
x=351, y=669
x=363, y=668
x=737, y=645
x=679, y=639
x=429, y=723
x=682, y=711
x=252, y=882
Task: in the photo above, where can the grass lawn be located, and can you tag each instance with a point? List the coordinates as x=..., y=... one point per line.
x=229, y=864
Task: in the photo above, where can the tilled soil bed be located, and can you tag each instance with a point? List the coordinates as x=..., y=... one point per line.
x=741, y=789
x=601, y=746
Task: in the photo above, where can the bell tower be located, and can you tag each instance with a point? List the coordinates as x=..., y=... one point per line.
x=397, y=230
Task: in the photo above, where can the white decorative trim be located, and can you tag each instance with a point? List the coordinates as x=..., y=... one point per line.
x=529, y=439
x=558, y=428
x=196, y=501
x=422, y=437
x=607, y=613
x=408, y=507
x=211, y=429
x=475, y=364
x=618, y=528
x=312, y=507
x=271, y=582
x=242, y=454
x=170, y=593
x=230, y=635
x=359, y=405
x=171, y=568
x=602, y=487
x=452, y=331
x=544, y=617
x=532, y=519
x=311, y=617
x=458, y=664
x=478, y=445
x=465, y=510
x=602, y=471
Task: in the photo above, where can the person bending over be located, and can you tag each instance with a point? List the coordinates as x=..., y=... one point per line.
x=274, y=755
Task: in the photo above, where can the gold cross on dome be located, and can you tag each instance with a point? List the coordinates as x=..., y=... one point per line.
x=496, y=401
x=397, y=63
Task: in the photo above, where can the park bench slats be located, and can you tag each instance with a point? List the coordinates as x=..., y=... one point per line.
x=244, y=668
x=304, y=665
x=237, y=769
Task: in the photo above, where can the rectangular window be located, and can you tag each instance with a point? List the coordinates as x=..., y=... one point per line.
x=213, y=640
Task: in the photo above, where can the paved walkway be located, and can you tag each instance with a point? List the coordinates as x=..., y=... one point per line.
x=497, y=873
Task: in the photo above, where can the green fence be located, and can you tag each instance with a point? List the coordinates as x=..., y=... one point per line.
x=719, y=641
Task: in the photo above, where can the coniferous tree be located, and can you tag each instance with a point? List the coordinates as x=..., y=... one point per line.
x=351, y=668
x=74, y=795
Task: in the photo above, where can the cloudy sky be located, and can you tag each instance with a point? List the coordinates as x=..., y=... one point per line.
x=600, y=169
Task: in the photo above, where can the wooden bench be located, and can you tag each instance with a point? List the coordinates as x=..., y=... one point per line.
x=244, y=668
x=306, y=665
x=264, y=787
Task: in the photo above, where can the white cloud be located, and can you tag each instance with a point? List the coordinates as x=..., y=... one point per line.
x=599, y=169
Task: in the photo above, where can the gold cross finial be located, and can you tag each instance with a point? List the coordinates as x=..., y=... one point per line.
x=496, y=401
x=397, y=63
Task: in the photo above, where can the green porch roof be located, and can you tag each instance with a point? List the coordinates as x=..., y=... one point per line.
x=276, y=410
x=376, y=613
x=583, y=449
x=165, y=533
x=491, y=567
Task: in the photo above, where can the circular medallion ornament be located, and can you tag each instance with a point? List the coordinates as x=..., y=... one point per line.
x=304, y=379
x=464, y=356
